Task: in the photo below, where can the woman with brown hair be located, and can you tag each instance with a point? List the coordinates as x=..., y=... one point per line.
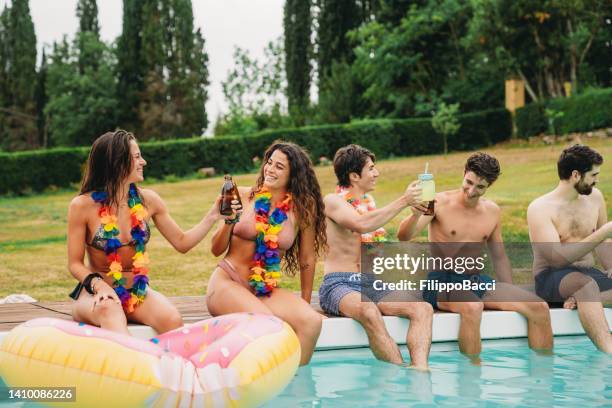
x=284, y=220
x=109, y=220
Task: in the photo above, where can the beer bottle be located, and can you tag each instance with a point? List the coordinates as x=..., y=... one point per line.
x=229, y=192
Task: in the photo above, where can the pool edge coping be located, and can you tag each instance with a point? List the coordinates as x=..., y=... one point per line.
x=342, y=332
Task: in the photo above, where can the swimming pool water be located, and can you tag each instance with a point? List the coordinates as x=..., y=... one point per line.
x=510, y=374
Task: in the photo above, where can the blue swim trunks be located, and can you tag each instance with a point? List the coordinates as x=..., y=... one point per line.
x=548, y=281
x=431, y=296
x=337, y=285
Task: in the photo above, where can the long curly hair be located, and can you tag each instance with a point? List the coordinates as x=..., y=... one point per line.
x=307, y=200
x=108, y=165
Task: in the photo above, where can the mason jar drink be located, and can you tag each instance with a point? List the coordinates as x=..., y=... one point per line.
x=428, y=187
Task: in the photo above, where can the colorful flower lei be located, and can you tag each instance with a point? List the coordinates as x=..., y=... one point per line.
x=363, y=206
x=130, y=298
x=266, y=261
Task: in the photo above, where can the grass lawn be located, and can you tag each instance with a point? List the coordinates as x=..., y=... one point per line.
x=33, y=228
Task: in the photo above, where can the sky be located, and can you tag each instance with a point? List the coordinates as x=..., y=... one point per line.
x=249, y=24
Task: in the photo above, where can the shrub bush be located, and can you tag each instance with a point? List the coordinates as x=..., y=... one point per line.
x=583, y=112
x=37, y=170
x=588, y=111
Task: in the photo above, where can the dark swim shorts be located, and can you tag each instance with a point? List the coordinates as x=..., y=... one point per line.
x=548, y=281
x=337, y=285
x=431, y=296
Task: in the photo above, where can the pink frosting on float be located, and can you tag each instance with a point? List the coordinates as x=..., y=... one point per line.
x=85, y=330
x=218, y=340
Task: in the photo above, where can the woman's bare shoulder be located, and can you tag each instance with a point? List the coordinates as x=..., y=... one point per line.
x=148, y=194
x=81, y=202
x=152, y=200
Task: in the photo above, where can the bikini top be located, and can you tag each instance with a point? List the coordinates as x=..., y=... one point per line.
x=245, y=229
x=99, y=242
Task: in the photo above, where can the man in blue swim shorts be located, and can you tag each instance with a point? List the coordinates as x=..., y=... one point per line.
x=566, y=226
x=352, y=218
x=464, y=223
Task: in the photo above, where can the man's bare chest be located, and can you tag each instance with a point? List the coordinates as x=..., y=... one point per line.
x=459, y=226
x=575, y=222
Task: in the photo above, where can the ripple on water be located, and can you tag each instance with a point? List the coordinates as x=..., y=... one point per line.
x=510, y=374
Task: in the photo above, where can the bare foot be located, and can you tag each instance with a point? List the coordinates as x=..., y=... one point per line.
x=475, y=359
x=414, y=367
x=570, y=303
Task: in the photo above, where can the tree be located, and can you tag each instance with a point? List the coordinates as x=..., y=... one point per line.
x=40, y=95
x=187, y=73
x=4, y=61
x=445, y=122
x=196, y=84
x=335, y=19
x=81, y=86
x=252, y=86
x=87, y=13
x=409, y=64
x=22, y=58
x=254, y=92
x=18, y=77
x=130, y=65
x=545, y=43
x=80, y=107
x=297, y=24
x=162, y=70
x=338, y=97
x=4, y=57
x=391, y=12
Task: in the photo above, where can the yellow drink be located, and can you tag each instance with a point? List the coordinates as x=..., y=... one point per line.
x=428, y=186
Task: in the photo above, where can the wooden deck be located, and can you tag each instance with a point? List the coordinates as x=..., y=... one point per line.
x=192, y=308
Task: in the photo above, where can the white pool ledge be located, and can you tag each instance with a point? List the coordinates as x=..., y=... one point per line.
x=347, y=333
x=342, y=332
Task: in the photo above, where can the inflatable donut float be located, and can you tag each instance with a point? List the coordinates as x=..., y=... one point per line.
x=236, y=360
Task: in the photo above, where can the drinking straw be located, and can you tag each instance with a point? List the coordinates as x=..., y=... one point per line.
x=426, y=167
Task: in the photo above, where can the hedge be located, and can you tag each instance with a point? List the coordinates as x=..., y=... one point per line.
x=36, y=170
x=581, y=113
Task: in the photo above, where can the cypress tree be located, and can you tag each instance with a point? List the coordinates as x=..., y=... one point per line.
x=188, y=73
x=40, y=95
x=154, y=108
x=89, y=30
x=162, y=70
x=130, y=65
x=18, y=77
x=87, y=13
x=22, y=58
x=298, y=49
x=4, y=53
x=4, y=57
x=81, y=86
x=197, y=80
x=336, y=18
x=155, y=35
x=172, y=102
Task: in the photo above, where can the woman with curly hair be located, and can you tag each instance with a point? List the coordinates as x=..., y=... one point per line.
x=109, y=221
x=283, y=219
